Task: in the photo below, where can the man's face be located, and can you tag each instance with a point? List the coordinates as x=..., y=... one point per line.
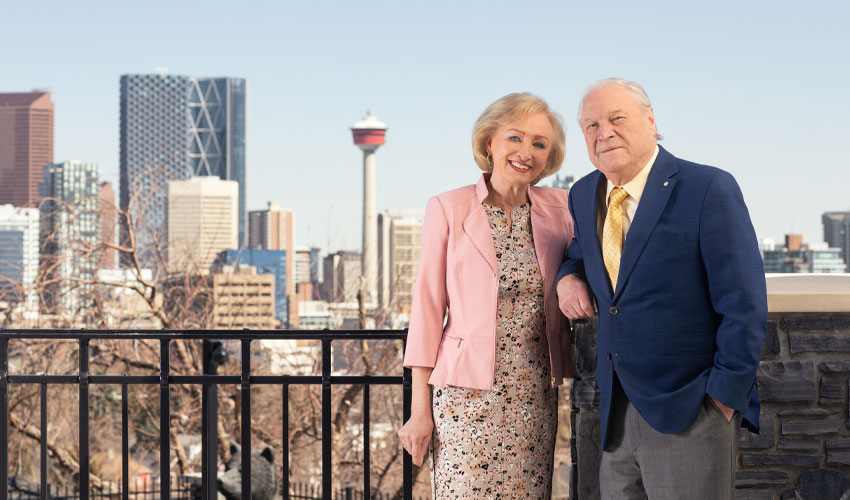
x=619, y=132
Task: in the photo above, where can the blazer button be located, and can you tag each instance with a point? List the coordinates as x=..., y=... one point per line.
x=613, y=310
x=608, y=356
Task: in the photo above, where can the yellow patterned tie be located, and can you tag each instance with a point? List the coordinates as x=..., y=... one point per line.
x=612, y=235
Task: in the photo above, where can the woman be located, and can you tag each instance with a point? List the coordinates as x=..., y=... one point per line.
x=484, y=396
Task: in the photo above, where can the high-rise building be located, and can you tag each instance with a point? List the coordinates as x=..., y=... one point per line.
x=202, y=221
x=108, y=217
x=342, y=276
x=307, y=265
x=243, y=299
x=399, y=248
x=19, y=231
x=272, y=262
x=274, y=229
x=70, y=235
x=836, y=233
x=26, y=145
x=175, y=127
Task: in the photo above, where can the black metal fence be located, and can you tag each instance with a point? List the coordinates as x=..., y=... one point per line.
x=181, y=490
x=208, y=381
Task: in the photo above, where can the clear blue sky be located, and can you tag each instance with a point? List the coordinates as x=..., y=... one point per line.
x=757, y=88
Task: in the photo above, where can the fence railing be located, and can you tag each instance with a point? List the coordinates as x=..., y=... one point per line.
x=209, y=381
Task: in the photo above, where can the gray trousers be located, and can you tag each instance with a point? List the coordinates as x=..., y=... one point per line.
x=639, y=462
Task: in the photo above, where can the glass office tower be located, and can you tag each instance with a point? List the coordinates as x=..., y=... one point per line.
x=175, y=127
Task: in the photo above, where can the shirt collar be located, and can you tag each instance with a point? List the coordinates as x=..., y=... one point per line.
x=635, y=186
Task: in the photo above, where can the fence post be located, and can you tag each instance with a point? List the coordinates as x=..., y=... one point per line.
x=327, y=431
x=214, y=356
x=246, y=418
x=84, y=418
x=4, y=418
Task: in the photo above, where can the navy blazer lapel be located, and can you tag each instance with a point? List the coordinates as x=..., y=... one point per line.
x=656, y=194
x=589, y=213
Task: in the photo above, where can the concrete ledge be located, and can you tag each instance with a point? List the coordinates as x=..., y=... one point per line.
x=811, y=293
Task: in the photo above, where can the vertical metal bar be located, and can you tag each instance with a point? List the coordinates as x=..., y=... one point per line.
x=327, y=432
x=43, y=488
x=246, y=418
x=367, y=472
x=407, y=460
x=209, y=425
x=164, y=421
x=125, y=444
x=285, y=438
x=84, y=418
x=4, y=419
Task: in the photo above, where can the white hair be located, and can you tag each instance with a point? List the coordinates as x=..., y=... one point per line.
x=634, y=88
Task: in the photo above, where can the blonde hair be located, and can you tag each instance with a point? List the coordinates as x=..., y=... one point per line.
x=510, y=108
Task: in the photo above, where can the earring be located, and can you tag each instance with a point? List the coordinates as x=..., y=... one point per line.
x=489, y=159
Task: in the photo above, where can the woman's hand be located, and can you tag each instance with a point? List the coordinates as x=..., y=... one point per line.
x=416, y=434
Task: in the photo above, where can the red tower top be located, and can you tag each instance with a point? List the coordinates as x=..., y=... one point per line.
x=369, y=133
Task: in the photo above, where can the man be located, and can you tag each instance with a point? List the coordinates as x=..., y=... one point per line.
x=667, y=249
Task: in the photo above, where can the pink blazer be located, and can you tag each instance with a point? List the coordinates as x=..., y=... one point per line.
x=458, y=272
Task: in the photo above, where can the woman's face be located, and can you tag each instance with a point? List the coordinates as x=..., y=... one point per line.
x=520, y=149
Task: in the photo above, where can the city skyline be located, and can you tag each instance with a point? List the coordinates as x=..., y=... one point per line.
x=753, y=89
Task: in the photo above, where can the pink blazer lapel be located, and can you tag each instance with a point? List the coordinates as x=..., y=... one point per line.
x=541, y=229
x=477, y=227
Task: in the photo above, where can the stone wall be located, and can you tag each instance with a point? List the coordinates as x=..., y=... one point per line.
x=803, y=450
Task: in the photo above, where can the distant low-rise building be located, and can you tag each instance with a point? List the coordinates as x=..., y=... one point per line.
x=798, y=257
x=243, y=299
x=271, y=262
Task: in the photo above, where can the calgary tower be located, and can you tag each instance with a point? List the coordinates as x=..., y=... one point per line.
x=369, y=136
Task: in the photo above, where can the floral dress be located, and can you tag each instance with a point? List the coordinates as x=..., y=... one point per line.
x=500, y=443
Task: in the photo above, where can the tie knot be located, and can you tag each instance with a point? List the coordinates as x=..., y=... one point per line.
x=618, y=194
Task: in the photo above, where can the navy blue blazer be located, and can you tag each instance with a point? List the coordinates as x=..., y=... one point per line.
x=689, y=313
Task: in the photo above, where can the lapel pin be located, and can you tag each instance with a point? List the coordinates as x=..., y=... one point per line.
x=666, y=183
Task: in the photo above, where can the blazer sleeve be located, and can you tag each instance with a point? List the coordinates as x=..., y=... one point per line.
x=430, y=298
x=573, y=260
x=737, y=289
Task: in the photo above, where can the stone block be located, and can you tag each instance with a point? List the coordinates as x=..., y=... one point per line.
x=584, y=394
x=805, y=412
x=749, y=478
x=589, y=455
x=818, y=342
x=815, y=323
x=838, y=451
x=811, y=427
x=832, y=390
x=585, y=332
x=749, y=459
x=799, y=444
x=765, y=437
x=820, y=484
x=785, y=381
x=841, y=366
x=748, y=494
x=770, y=346
x=585, y=362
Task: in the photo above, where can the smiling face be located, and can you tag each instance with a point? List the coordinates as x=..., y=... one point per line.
x=618, y=131
x=520, y=150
